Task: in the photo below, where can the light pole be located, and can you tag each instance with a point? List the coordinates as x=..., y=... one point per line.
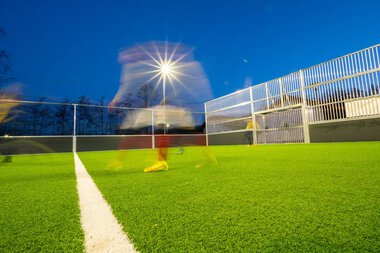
x=164, y=97
x=165, y=70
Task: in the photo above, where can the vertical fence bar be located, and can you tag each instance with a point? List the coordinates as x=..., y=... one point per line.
x=281, y=92
x=267, y=95
x=264, y=130
x=74, y=129
x=253, y=118
x=153, y=137
x=206, y=128
x=305, y=123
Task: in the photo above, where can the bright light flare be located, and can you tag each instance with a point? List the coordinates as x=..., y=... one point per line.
x=156, y=73
x=166, y=69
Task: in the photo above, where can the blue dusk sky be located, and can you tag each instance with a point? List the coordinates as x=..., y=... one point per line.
x=70, y=48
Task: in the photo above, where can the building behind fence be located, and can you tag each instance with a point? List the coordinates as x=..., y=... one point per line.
x=338, y=100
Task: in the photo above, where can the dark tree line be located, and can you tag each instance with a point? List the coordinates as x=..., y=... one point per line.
x=41, y=118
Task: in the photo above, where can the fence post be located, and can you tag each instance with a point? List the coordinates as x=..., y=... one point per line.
x=281, y=91
x=305, y=119
x=153, y=137
x=253, y=118
x=266, y=94
x=206, y=133
x=74, y=129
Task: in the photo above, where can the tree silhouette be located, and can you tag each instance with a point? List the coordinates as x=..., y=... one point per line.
x=146, y=96
x=5, y=65
x=99, y=113
x=38, y=116
x=84, y=115
x=62, y=117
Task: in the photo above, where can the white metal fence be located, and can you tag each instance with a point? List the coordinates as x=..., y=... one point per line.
x=278, y=111
x=281, y=110
x=29, y=121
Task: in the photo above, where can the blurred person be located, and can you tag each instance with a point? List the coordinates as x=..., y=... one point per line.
x=250, y=127
x=248, y=132
x=153, y=74
x=8, y=100
x=164, y=116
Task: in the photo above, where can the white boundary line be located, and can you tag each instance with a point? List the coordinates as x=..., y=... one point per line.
x=102, y=231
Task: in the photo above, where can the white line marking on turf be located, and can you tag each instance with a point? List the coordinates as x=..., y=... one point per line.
x=101, y=230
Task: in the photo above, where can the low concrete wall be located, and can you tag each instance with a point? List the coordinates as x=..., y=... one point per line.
x=353, y=130
x=56, y=144
x=237, y=138
x=35, y=145
x=98, y=143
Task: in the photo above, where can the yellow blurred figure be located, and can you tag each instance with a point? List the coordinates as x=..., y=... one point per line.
x=8, y=100
x=158, y=166
x=251, y=125
x=5, y=109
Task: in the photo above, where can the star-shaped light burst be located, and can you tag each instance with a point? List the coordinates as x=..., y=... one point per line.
x=165, y=77
x=166, y=67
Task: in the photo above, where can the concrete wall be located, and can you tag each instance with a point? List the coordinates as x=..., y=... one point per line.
x=35, y=145
x=353, y=130
x=98, y=143
x=55, y=144
x=237, y=138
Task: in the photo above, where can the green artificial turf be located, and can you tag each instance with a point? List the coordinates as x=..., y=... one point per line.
x=273, y=198
x=39, y=205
